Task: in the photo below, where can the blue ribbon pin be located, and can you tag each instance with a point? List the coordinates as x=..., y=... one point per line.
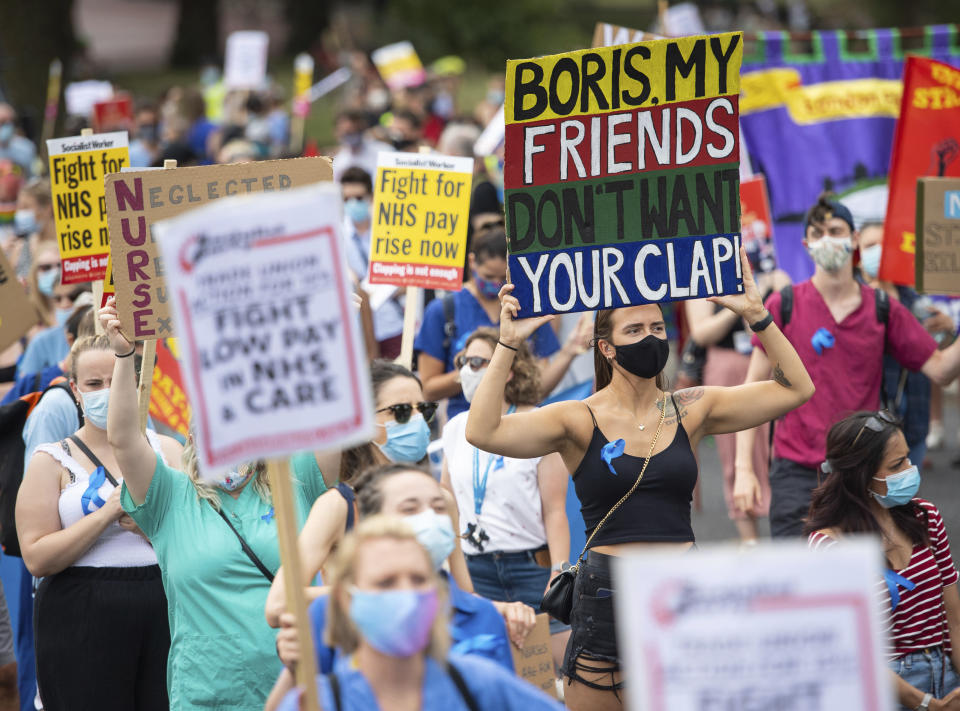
x=268, y=516
x=822, y=339
x=611, y=451
x=894, y=579
x=90, y=499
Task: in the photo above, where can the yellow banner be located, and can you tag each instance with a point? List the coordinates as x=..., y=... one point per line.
x=78, y=166
x=621, y=78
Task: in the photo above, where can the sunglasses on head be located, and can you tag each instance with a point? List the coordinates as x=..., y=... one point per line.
x=403, y=410
x=476, y=362
x=877, y=423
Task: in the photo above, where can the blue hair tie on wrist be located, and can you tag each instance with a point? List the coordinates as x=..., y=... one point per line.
x=611, y=451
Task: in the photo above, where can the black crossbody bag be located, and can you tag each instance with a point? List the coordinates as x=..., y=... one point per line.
x=246, y=547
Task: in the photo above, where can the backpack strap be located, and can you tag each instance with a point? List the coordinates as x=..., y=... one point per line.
x=350, y=496
x=786, y=305
x=449, y=321
x=334, y=690
x=462, y=687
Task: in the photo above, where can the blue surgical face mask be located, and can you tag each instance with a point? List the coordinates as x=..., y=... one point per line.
x=95, y=404
x=24, y=222
x=47, y=281
x=6, y=132
x=62, y=316
x=435, y=533
x=394, y=622
x=901, y=488
x=406, y=443
x=870, y=260
x=357, y=209
x=488, y=289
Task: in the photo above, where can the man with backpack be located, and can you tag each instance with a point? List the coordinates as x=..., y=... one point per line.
x=841, y=329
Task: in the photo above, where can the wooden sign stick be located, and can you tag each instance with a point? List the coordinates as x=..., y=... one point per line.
x=285, y=513
x=409, y=327
x=97, y=300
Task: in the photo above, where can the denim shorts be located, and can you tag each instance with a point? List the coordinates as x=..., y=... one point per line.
x=592, y=646
x=511, y=577
x=929, y=671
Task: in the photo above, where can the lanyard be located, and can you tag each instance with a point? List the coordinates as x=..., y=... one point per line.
x=480, y=485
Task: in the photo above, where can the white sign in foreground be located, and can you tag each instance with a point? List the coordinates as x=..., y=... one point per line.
x=272, y=355
x=781, y=627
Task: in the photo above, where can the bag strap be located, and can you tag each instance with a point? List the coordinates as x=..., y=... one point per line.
x=786, y=305
x=462, y=687
x=449, y=321
x=653, y=445
x=246, y=548
x=334, y=690
x=93, y=458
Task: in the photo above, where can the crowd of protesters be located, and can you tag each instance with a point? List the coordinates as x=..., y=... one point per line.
x=146, y=587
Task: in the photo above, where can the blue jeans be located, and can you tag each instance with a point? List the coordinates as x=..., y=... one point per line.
x=929, y=671
x=511, y=577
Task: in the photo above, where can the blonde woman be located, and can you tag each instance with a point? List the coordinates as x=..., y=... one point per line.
x=388, y=610
x=217, y=549
x=101, y=603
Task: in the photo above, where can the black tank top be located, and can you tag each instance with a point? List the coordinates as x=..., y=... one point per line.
x=659, y=509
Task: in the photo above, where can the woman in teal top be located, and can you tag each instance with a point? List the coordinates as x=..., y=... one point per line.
x=222, y=652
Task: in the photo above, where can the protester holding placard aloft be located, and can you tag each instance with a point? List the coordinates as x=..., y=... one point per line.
x=870, y=486
x=215, y=591
x=649, y=470
x=101, y=589
x=388, y=610
x=841, y=329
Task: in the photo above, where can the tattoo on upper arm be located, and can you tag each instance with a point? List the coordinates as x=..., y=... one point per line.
x=780, y=378
x=683, y=398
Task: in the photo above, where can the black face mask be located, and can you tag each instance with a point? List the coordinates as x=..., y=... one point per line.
x=645, y=358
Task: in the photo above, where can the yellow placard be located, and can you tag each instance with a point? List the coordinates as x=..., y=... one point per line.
x=78, y=166
x=624, y=77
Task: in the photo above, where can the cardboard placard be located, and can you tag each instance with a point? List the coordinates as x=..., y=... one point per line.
x=399, y=65
x=938, y=236
x=925, y=143
x=420, y=207
x=245, y=59
x=534, y=663
x=17, y=315
x=607, y=35
x=78, y=166
x=137, y=199
x=621, y=174
x=756, y=224
x=782, y=624
x=270, y=342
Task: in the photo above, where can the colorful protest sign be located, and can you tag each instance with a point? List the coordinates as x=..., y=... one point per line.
x=399, y=65
x=137, y=199
x=168, y=398
x=818, y=113
x=17, y=315
x=534, y=662
x=78, y=166
x=114, y=114
x=420, y=207
x=780, y=627
x=270, y=340
x=621, y=175
x=926, y=143
x=108, y=286
x=755, y=224
x=938, y=235
x=245, y=59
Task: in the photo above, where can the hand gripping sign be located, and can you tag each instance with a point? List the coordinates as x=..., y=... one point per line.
x=622, y=174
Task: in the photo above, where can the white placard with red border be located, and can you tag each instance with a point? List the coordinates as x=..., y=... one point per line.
x=780, y=626
x=270, y=339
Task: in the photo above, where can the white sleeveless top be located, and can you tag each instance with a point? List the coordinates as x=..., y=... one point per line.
x=116, y=547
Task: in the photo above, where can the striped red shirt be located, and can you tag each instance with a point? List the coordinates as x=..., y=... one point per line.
x=920, y=620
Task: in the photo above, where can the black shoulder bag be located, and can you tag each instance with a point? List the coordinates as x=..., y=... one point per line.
x=558, y=600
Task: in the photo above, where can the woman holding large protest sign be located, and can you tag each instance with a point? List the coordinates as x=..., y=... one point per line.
x=870, y=486
x=648, y=469
x=101, y=591
x=388, y=609
x=217, y=549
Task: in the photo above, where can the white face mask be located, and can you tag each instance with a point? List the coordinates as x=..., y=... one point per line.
x=470, y=380
x=830, y=253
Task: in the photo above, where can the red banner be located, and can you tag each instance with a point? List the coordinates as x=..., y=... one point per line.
x=926, y=143
x=756, y=225
x=168, y=401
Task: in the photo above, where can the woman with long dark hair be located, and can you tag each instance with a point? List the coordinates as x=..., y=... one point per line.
x=631, y=448
x=870, y=487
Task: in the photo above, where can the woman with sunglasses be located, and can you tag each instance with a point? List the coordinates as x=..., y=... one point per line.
x=402, y=435
x=630, y=447
x=870, y=486
x=513, y=512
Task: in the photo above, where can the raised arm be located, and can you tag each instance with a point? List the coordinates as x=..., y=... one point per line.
x=706, y=327
x=553, y=370
x=130, y=446
x=522, y=435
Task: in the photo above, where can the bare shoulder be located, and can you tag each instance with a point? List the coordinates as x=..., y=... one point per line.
x=43, y=464
x=684, y=402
